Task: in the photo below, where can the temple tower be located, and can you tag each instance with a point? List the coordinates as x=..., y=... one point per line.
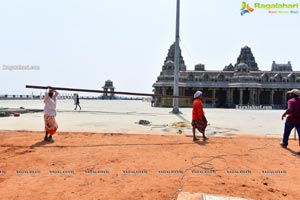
x=247, y=57
x=108, y=87
x=169, y=61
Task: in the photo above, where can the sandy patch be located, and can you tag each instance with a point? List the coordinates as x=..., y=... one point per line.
x=106, y=166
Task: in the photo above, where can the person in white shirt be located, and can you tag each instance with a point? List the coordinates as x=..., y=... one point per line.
x=50, y=113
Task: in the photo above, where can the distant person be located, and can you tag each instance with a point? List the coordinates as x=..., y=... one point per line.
x=76, y=101
x=50, y=113
x=293, y=116
x=198, y=118
x=152, y=101
x=74, y=98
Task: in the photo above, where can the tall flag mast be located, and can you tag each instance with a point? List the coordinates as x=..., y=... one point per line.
x=176, y=59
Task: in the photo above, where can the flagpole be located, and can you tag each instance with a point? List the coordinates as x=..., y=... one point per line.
x=176, y=61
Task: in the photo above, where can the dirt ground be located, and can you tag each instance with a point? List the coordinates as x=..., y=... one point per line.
x=106, y=166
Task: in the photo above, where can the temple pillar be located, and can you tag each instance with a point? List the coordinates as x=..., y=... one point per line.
x=231, y=95
x=258, y=96
x=284, y=99
x=164, y=90
x=228, y=96
x=272, y=97
x=182, y=91
x=214, y=97
x=251, y=93
x=241, y=96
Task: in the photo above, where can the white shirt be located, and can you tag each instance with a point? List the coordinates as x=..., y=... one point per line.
x=50, y=104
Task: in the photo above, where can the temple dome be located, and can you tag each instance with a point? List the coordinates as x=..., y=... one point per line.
x=241, y=67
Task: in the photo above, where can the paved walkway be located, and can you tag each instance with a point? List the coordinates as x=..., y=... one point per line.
x=118, y=116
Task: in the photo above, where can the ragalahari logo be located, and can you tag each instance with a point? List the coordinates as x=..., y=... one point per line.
x=246, y=8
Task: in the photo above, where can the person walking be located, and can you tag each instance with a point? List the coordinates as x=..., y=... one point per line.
x=199, y=120
x=50, y=114
x=292, y=115
x=76, y=101
x=152, y=101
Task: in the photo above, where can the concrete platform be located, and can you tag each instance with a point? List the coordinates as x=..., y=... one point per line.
x=120, y=116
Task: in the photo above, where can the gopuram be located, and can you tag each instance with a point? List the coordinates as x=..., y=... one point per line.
x=240, y=84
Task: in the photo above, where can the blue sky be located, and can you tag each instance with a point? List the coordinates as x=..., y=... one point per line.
x=82, y=44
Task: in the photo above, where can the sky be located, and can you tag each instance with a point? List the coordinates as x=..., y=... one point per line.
x=83, y=43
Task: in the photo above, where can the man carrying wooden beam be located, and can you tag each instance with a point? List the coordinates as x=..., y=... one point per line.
x=50, y=113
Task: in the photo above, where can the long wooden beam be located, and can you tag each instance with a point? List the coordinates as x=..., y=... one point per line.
x=110, y=92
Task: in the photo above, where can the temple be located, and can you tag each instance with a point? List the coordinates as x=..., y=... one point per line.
x=240, y=84
x=108, y=88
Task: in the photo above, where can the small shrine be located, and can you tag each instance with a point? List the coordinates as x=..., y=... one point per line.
x=108, y=88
